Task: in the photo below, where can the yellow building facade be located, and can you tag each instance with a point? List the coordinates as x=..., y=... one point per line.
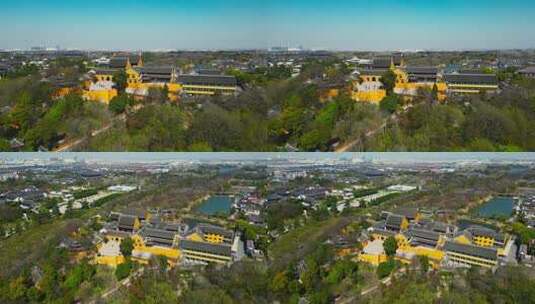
x=368, y=88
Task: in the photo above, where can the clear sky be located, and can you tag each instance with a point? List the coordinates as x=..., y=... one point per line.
x=237, y=24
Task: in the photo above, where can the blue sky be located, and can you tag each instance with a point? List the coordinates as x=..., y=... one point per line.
x=233, y=24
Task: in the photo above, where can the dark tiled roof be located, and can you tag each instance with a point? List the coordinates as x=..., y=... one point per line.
x=409, y=213
x=481, y=252
x=158, y=70
x=211, y=229
x=117, y=233
x=373, y=72
x=175, y=227
x=127, y=221
x=528, y=70
x=425, y=234
x=208, y=72
x=140, y=214
x=439, y=227
x=382, y=63
x=422, y=70
x=105, y=71
x=158, y=236
x=479, y=79
x=4, y=68
x=216, y=80
x=486, y=232
x=223, y=250
x=120, y=61
x=394, y=221
x=397, y=59
x=426, y=237
x=158, y=233
x=386, y=233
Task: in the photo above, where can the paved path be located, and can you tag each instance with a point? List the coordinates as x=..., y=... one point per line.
x=349, y=145
x=68, y=146
x=386, y=281
x=125, y=282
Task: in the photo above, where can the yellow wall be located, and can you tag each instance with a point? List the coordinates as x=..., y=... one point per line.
x=213, y=238
x=62, y=92
x=111, y=261
x=104, y=77
x=402, y=241
x=404, y=224
x=207, y=90
x=483, y=241
x=470, y=260
x=402, y=84
x=104, y=96
x=461, y=239
x=372, y=258
x=195, y=237
x=374, y=96
x=206, y=257
x=329, y=94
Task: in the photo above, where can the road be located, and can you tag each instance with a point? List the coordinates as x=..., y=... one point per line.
x=349, y=145
x=69, y=145
x=386, y=281
x=123, y=283
x=346, y=147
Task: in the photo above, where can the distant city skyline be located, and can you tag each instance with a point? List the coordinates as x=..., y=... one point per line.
x=240, y=24
x=401, y=157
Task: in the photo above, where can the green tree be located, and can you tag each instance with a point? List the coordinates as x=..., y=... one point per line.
x=434, y=92
x=423, y=261
x=123, y=270
x=17, y=289
x=388, y=79
x=119, y=103
x=385, y=268
x=26, y=111
x=120, y=79
x=390, y=103
x=322, y=296
x=200, y=147
x=207, y=296
x=126, y=247
x=390, y=246
x=165, y=92
x=279, y=283
x=4, y=145
x=162, y=263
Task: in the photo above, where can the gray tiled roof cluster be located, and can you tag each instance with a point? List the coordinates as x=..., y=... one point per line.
x=211, y=229
x=223, y=250
x=212, y=80
x=475, y=251
x=477, y=79
x=393, y=221
x=424, y=236
x=126, y=221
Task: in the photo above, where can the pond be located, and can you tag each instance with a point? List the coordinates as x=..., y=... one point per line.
x=497, y=206
x=217, y=204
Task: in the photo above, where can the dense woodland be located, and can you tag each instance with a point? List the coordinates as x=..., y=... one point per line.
x=274, y=113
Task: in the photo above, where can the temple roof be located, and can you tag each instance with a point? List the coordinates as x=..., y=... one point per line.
x=481, y=252
x=481, y=79
x=223, y=250
x=208, y=80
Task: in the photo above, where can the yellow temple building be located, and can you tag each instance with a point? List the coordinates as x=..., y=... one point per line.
x=409, y=80
x=99, y=85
